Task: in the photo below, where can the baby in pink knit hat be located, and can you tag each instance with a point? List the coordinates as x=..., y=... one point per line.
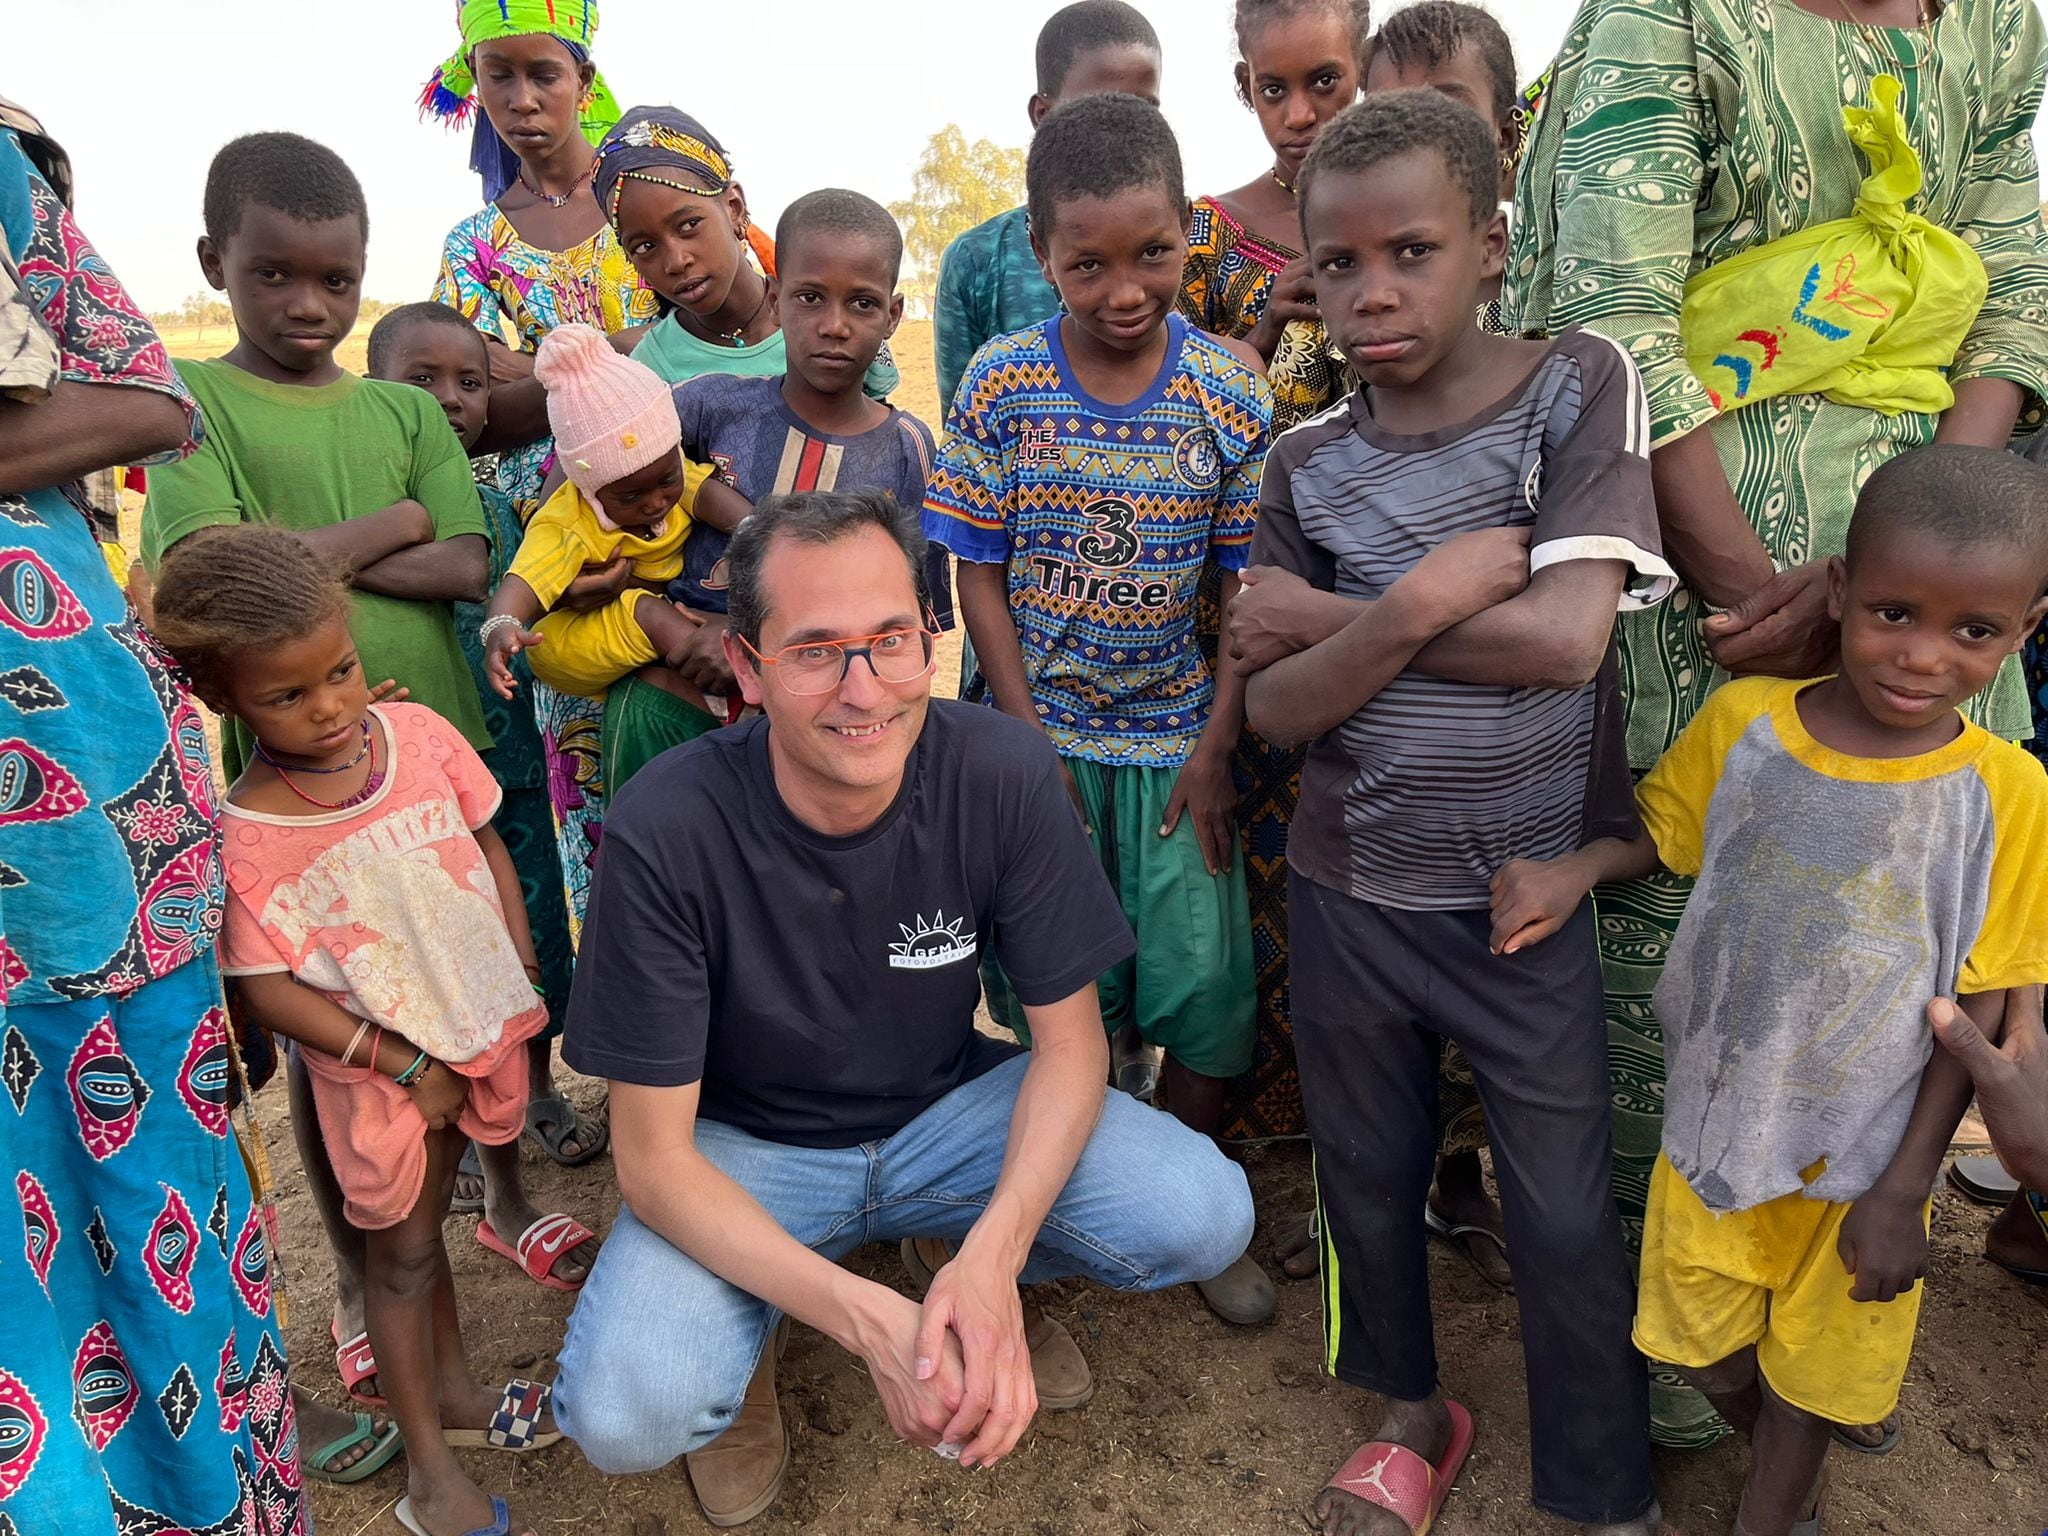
x=629, y=492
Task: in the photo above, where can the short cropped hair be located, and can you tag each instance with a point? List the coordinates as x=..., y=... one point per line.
x=1252, y=15
x=1387, y=124
x=1097, y=147
x=812, y=517
x=838, y=213
x=1434, y=32
x=1085, y=27
x=299, y=178
x=395, y=323
x=223, y=593
x=1963, y=498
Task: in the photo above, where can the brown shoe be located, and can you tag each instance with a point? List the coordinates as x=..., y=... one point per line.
x=1058, y=1367
x=740, y=1473
x=923, y=1258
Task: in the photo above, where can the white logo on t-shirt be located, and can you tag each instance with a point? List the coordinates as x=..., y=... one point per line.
x=930, y=945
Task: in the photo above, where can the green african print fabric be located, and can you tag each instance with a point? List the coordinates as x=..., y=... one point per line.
x=1673, y=135
x=1678, y=133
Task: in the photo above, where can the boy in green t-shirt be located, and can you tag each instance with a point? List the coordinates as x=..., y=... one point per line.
x=366, y=472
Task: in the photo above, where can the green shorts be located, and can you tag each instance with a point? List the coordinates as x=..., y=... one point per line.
x=641, y=722
x=1189, y=989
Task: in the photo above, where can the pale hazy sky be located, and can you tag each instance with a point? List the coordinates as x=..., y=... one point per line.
x=804, y=93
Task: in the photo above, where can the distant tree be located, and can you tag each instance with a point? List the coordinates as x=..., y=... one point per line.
x=958, y=185
x=195, y=312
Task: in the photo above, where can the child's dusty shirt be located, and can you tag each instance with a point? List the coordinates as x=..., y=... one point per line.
x=1836, y=896
x=1420, y=797
x=389, y=907
x=1104, y=515
x=571, y=531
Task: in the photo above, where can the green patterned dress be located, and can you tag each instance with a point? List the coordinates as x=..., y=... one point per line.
x=1678, y=133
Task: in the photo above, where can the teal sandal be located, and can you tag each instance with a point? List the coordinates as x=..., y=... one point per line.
x=383, y=1447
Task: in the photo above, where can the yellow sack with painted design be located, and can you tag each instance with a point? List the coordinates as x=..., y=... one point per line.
x=1868, y=310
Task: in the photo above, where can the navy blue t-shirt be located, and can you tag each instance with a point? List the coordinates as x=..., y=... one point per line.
x=823, y=988
x=760, y=447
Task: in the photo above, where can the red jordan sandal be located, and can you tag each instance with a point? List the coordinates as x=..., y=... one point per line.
x=1399, y=1481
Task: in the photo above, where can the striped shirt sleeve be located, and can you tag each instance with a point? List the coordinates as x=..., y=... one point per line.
x=1594, y=500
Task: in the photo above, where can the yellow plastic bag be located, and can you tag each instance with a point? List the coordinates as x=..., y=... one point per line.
x=1868, y=310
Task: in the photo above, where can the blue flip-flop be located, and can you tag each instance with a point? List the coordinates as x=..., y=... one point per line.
x=501, y=1519
x=313, y=1464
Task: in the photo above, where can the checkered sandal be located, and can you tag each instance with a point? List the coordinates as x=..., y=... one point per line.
x=515, y=1426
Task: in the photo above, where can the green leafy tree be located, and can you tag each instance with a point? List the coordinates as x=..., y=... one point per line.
x=957, y=186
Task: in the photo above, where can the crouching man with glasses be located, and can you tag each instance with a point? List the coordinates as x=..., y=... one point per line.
x=779, y=976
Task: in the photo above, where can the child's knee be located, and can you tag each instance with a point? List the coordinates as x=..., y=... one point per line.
x=405, y=1266
x=1727, y=1377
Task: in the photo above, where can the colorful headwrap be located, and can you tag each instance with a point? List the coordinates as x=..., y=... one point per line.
x=451, y=94
x=670, y=149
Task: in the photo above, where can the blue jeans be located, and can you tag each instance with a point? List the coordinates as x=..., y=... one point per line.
x=660, y=1350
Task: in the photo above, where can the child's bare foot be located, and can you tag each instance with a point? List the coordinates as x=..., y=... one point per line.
x=1876, y=1439
x=320, y=1425
x=510, y=1212
x=350, y=1323
x=1300, y=1252
x=470, y=1405
x=2018, y=1240
x=446, y=1503
x=1465, y=1214
x=1425, y=1428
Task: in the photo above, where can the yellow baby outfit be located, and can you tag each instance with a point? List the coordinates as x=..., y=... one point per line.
x=585, y=653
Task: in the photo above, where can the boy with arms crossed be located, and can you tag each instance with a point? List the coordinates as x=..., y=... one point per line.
x=1460, y=533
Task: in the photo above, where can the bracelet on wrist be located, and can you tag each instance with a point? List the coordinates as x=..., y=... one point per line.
x=492, y=625
x=414, y=1071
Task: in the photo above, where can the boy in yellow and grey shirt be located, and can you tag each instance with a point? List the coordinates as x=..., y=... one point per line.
x=1860, y=849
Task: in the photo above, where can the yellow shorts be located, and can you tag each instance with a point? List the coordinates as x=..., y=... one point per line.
x=585, y=653
x=1771, y=1276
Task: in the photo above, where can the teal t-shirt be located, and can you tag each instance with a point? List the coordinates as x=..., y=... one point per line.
x=678, y=357
x=305, y=458
x=990, y=285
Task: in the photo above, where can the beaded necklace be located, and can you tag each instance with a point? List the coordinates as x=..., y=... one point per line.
x=372, y=782
x=550, y=198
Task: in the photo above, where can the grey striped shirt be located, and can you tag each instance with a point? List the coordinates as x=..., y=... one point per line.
x=1419, y=797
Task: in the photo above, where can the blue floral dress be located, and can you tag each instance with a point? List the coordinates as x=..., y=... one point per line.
x=142, y=1379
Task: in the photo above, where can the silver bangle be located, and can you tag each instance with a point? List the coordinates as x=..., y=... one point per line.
x=492, y=625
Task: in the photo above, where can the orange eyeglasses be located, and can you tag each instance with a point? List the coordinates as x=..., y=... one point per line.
x=819, y=666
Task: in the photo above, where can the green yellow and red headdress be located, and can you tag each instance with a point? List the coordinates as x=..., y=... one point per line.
x=451, y=94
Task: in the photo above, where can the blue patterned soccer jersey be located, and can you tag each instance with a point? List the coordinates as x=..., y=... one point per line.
x=1104, y=516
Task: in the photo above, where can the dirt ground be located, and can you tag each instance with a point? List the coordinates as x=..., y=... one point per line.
x=1196, y=1426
